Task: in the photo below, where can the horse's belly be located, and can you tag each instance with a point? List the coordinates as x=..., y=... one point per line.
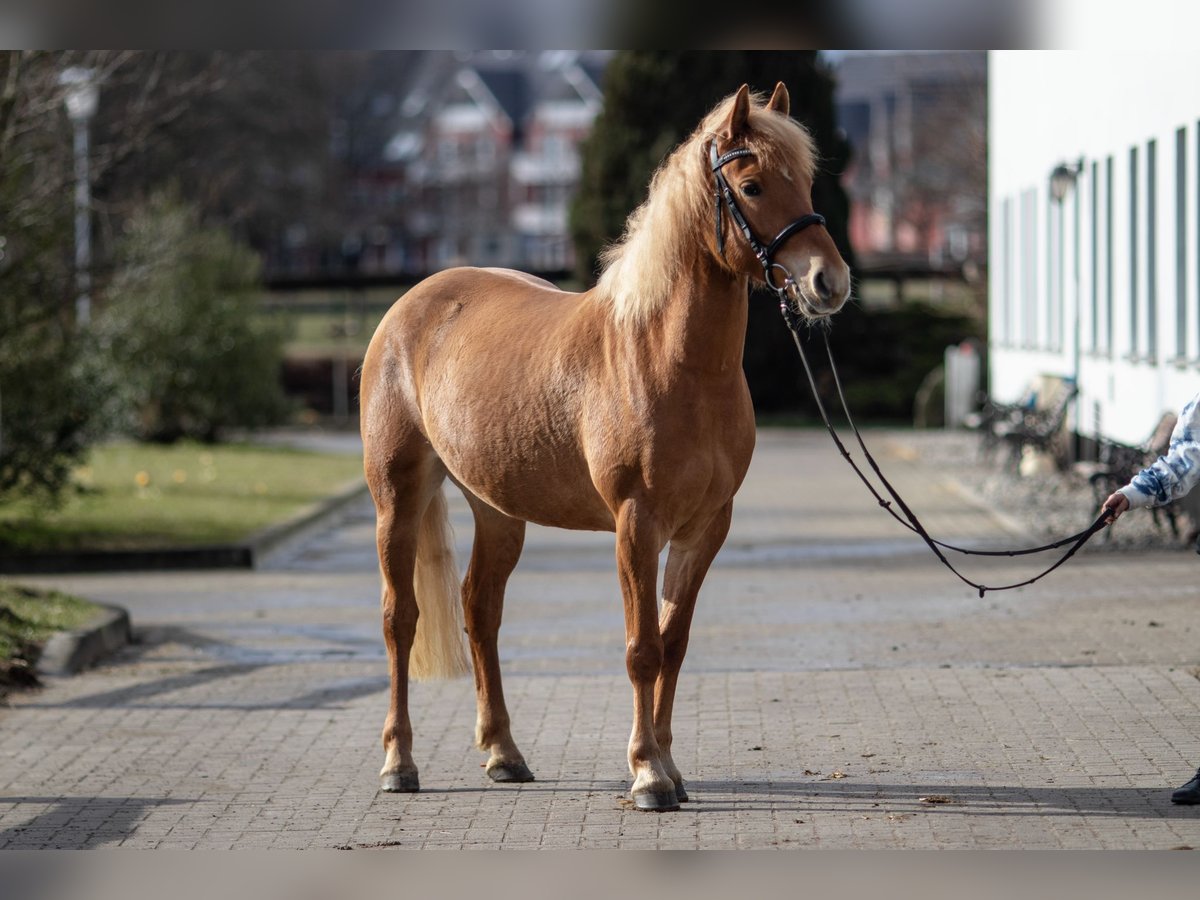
x=528, y=480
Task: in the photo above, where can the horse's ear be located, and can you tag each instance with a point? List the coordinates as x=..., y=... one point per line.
x=739, y=114
x=780, y=101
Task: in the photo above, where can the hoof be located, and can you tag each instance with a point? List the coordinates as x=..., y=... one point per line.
x=510, y=773
x=400, y=782
x=680, y=793
x=657, y=801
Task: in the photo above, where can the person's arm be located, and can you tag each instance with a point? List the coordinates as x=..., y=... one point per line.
x=1169, y=477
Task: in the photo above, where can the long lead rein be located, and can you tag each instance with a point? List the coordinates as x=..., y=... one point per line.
x=765, y=254
x=914, y=524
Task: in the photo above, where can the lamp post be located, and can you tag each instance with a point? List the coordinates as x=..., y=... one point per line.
x=1064, y=180
x=81, y=97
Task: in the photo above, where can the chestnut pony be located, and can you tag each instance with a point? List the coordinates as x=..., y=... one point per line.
x=623, y=408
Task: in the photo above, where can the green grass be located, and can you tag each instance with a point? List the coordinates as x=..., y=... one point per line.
x=28, y=617
x=139, y=496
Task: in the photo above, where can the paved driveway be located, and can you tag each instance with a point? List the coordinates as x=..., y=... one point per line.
x=841, y=690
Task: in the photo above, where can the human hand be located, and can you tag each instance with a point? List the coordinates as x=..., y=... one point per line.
x=1116, y=504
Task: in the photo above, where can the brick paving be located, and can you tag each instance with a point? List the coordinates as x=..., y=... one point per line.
x=841, y=690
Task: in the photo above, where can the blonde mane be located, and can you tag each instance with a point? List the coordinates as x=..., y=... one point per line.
x=663, y=234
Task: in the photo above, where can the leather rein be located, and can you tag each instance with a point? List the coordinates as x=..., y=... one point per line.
x=791, y=317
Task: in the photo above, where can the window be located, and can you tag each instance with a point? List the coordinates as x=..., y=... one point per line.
x=554, y=148
x=1152, y=251
x=1109, y=343
x=485, y=149
x=1054, y=267
x=1005, y=318
x=1133, y=252
x=1029, y=273
x=1197, y=196
x=1095, y=257
x=1181, y=244
x=1054, y=271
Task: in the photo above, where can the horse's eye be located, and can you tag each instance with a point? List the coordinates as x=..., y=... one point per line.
x=751, y=189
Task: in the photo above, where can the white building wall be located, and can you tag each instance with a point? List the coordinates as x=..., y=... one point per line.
x=1049, y=297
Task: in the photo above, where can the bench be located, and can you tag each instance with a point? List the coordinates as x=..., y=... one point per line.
x=1117, y=463
x=993, y=417
x=1038, y=426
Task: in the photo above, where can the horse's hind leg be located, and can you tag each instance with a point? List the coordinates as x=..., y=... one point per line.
x=687, y=564
x=402, y=490
x=498, y=543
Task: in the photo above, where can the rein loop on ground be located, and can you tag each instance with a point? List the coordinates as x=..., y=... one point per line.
x=913, y=524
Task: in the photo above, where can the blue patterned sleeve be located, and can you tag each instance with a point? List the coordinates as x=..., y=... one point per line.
x=1172, y=476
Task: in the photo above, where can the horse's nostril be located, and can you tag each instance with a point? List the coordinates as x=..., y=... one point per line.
x=822, y=286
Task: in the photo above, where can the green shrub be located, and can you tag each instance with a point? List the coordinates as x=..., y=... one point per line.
x=180, y=326
x=883, y=355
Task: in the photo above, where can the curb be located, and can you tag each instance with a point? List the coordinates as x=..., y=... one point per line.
x=70, y=652
x=246, y=554
x=315, y=517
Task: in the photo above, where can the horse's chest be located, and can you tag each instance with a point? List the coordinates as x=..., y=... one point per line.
x=701, y=469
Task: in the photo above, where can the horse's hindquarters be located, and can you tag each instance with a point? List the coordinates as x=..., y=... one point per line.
x=502, y=368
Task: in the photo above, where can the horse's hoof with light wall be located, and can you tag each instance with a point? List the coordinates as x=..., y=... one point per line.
x=508, y=773
x=657, y=801
x=400, y=783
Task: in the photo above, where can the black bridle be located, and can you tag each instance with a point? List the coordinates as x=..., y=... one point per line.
x=764, y=253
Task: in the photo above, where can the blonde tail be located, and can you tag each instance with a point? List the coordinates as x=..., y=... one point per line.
x=437, y=650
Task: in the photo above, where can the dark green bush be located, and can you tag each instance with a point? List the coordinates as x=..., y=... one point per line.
x=882, y=355
x=180, y=326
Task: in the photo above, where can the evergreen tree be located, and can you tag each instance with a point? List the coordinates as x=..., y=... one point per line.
x=192, y=358
x=653, y=100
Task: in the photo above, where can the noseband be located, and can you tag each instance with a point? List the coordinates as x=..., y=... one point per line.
x=764, y=253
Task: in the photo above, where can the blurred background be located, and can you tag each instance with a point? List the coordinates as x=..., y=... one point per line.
x=193, y=244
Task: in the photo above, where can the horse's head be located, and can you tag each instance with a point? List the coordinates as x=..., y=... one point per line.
x=762, y=165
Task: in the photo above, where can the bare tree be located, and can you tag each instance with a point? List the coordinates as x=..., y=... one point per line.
x=943, y=183
x=238, y=134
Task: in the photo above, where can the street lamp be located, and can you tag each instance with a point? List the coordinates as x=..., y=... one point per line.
x=81, y=97
x=1064, y=180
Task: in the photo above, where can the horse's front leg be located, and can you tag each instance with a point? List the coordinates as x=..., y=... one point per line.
x=639, y=541
x=687, y=564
